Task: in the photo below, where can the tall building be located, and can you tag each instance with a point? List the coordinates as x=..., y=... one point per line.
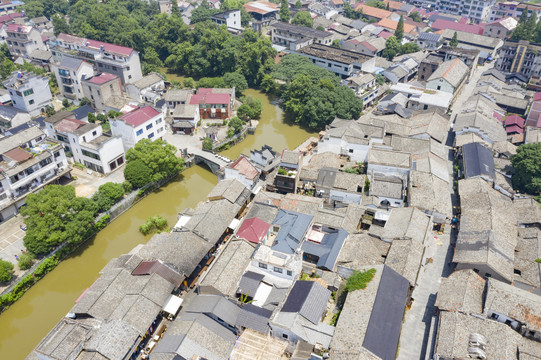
x=23, y=40
x=514, y=9
x=70, y=73
x=476, y=10
x=519, y=57
x=29, y=92
x=110, y=58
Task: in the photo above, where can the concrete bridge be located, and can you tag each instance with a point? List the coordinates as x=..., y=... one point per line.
x=213, y=161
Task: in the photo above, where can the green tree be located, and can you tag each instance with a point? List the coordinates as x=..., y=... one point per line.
x=409, y=48
x=284, y=11
x=25, y=261
x=376, y=3
x=236, y=124
x=336, y=43
x=158, y=156
x=207, y=144
x=153, y=224
x=137, y=174
x=65, y=103
x=268, y=85
x=527, y=169
x=7, y=67
x=188, y=83
x=415, y=16
x=250, y=108
x=84, y=101
x=526, y=26
x=298, y=4
x=151, y=61
x=101, y=118
x=236, y=80
x=6, y=271
x=207, y=82
x=49, y=110
x=392, y=48
x=399, y=32
x=349, y=12
x=303, y=18
x=112, y=190
x=320, y=28
x=60, y=25
x=103, y=202
x=55, y=215
x=454, y=41
x=203, y=12
x=91, y=118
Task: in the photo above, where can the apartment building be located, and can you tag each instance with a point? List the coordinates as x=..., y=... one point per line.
x=8, y=6
x=23, y=40
x=29, y=92
x=519, y=57
x=101, y=90
x=141, y=123
x=476, y=10
x=513, y=9
x=114, y=59
x=29, y=161
x=86, y=142
x=231, y=19
x=70, y=73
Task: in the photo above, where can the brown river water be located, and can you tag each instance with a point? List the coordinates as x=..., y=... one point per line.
x=24, y=324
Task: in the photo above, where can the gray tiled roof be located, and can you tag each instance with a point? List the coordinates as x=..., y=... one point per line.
x=114, y=339
x=70, y=63
x=216, y=305
x=293, y=226
x=462, y=291
x=254, y=317
x=249, y=283
x=328, y=250
x=478, y=161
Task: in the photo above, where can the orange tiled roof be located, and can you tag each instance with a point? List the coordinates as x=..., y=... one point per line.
x=393, y=5
x=391, y=24
x=373, y=12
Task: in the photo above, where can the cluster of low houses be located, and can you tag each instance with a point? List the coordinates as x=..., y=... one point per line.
x=256, y=268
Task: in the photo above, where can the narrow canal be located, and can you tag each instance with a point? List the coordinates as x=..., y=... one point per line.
x=29, y=319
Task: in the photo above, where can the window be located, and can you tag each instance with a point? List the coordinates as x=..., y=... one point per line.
x=91, y=154
x=128, y=68
x=139, y=132
x=350, y=151
x=151, y=135
x=285, y=336
x=149, y=126
x=99, y=92
x=289, y=273
x=114, y=68
x=159, y=120
x=31, y=102
x=263, y=266
x=439, y=87
x=129, y=76
x=278, y=270
x=94, y=133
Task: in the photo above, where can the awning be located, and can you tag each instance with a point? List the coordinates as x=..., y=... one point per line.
x=182, y=221
x=234, y=224
x=172, y=305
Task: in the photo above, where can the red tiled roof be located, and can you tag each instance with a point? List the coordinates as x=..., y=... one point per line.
x=18, y=154
x=210, y=99
x=373, y=12
x=253, y=230
x=514, y=129
x=9, y=17
x=69, y=125
x=337, y=2
x=94, y=44
x=102, y=78
x=498, y=116
x=514, y=120
x=393, y=5
x=385, y=34
x=369, y=46
x=244, y=167
x=537, y=96
x=139, y=116
x=442, y=24
x=25, y=29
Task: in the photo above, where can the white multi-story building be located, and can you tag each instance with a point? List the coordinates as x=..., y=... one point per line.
x=9, y=6
x=29, y=161
x=230, y=18
x=476, y=10
x=86, y=142
x=70, y=72
x=141, y=123
x=514, y=9
x=114, y=59
x=29, y=92
x=23, y=40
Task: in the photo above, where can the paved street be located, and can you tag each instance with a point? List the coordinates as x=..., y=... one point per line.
x=417, y=337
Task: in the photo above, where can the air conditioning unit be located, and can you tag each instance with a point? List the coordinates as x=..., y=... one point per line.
x=476, y=353
x=477, y=340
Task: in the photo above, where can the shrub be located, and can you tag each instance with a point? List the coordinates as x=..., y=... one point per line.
x=112, y=190
x=6, y=270
x=127, y=187
x=154, y=223
x=79, y=166
x=282, y=171
x=65, y=103
x=26, y=261
x=207, y=144
x=359, y=280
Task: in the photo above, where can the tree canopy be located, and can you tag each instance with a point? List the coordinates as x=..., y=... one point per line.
x=284, y=11
x=158, y=156
x=6, y=271
x=55, y=215
x=303, y=18
x=454, y=41
x=250, y=108
x=399, y=32
x=137, y=173
x=527, y=169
